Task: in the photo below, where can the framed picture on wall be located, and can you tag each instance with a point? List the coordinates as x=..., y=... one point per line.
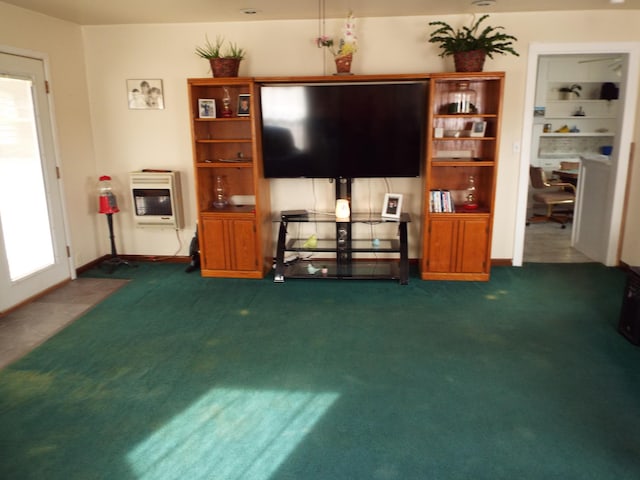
x=144, y=94
x=244, y=106
x=392, y=206
x=206, y=108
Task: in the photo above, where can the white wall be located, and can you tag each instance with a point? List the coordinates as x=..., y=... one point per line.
x=127, y=140
x=62, y=43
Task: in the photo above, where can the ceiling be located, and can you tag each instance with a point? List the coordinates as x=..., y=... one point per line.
x=110, y=12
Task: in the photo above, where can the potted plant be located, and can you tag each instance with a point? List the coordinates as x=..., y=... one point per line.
x=223, y=63
x=470, y=45
x=566, y=93
x=347, y=46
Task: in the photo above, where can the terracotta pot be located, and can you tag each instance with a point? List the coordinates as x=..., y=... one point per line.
x=224, y=67
x=343, y=63
x=472, y=61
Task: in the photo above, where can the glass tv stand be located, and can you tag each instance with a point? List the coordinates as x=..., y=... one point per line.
x=342, y=247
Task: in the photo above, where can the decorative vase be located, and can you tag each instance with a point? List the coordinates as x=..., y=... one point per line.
x=226, y=104
x=462, y=99
x=220, y=193
x=225, y=67
x=472, y=61
x=470, y=198
x=343, y=64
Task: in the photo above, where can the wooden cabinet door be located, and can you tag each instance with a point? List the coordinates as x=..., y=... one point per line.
x=458, y=245
x=442, y=245
x=473, y=235
x=228, y=244
x=213, y=248
x=242, y=238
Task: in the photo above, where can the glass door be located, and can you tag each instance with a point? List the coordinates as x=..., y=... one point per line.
x=32, y=235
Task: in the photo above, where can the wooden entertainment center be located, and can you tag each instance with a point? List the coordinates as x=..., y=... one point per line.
x=461, y=148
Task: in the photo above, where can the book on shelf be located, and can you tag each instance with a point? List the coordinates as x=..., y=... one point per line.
x=441, y=201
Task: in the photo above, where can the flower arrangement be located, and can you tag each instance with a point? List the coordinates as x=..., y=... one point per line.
x=348, y=43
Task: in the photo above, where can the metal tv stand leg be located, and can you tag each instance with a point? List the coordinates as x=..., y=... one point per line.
x=282, y=238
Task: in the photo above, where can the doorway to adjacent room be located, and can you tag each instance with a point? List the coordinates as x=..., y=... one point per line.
x=578, y=244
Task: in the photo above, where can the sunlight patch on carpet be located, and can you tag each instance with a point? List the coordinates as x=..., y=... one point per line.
x=230, y=434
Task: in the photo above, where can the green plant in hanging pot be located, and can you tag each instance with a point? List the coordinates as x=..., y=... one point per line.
x=223, y=63
x=469, y=45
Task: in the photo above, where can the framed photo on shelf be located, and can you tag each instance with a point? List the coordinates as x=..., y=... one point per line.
x=145, y=94
x=207, y=108
x=244, y=106
x=392, y=206
x=478, y=129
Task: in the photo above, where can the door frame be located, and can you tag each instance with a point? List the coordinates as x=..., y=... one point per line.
x=59, y=184
x=625, y=137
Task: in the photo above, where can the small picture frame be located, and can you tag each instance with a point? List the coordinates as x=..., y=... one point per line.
x=392, y=206
x=478, y=129
x=145, y=94
x=206, y=108
x=538, y=111
x=244, y=105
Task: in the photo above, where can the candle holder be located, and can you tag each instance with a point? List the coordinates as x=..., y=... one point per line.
x=220, y=193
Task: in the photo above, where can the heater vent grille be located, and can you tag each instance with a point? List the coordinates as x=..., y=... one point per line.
x=157, y=200
x=143, y=179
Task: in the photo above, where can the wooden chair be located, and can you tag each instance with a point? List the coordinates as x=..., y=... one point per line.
x=569, y=165
x=551, y=194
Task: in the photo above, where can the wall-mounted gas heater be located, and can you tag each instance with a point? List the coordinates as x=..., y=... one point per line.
x=157, y=201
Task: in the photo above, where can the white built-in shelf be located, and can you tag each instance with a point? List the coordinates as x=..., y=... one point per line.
x=578, y=100
x=581, y=117
x=580, y=134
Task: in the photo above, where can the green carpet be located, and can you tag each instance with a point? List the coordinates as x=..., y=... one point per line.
x=180, y=377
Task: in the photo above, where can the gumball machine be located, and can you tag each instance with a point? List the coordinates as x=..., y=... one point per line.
x=108, y=202
x=108, y=205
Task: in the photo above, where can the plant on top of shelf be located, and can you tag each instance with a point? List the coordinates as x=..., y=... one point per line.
x=223, y=63
x=573, y=89
x=471, y=42
x=347, y=45
x=214, y=50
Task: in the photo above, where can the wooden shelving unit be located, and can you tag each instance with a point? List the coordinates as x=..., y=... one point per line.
x=457, y=245
x=235, y=240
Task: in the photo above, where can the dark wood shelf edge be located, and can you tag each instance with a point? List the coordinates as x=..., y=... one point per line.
x=462, y=163
x=224, y=164
x=248, y=210
x=223, y=119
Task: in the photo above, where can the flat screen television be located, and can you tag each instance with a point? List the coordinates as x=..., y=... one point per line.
x=348, y=130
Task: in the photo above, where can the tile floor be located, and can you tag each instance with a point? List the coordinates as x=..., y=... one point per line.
x=549, y=243
x=27, y=327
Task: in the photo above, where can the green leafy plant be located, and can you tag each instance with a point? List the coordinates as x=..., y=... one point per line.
x=575, y=88
x=214, y=50
x=466, y=39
